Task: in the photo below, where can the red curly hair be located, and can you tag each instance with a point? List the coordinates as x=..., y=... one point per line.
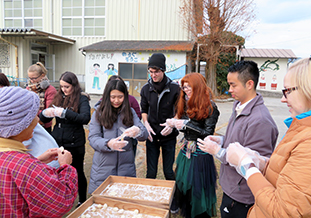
x=199, y=106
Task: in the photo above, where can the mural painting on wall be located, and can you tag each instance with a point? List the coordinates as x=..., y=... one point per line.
x=100, y=66
x=265, y=69
x=177, y=73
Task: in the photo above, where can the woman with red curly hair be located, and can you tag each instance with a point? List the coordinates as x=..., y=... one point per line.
x=196, y=116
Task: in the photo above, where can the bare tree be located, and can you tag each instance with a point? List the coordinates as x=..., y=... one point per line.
x=210, y=22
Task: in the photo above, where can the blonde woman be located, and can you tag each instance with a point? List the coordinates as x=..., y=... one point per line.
x=39, y=83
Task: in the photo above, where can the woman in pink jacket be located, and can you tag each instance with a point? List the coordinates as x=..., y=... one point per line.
x=281, y=185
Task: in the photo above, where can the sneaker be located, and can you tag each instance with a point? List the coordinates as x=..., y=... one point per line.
x=174, y=207
x=174, y=211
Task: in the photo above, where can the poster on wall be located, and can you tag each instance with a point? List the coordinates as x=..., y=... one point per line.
x=101, y=65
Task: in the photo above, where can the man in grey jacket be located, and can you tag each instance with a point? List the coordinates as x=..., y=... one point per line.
x=252, y=126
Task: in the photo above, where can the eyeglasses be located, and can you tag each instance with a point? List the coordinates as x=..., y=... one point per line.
x=288, y=91
x=156, y=71
x=33, y=78
x=185, y=88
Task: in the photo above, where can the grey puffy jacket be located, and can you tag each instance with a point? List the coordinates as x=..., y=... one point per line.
x=107, y=162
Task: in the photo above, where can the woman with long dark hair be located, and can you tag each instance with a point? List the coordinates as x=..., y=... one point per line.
x=71, y=109
x=196, y=117
x=114, y=125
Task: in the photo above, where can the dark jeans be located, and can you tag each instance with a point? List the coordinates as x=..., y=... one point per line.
x=168, y=157
x=232, y=209
x=78, y=163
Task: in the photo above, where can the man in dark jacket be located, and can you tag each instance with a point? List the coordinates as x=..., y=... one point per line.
x=158, y=98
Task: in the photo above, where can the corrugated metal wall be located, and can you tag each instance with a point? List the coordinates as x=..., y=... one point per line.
x=24, y=58
x=144, y=20
x=23, y=46
x=69, y=58
x=125, y=20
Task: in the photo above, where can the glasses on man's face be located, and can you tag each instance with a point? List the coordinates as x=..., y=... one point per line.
x=33, y=78
x=185, y=88
x=287, y=91
x=154, y=71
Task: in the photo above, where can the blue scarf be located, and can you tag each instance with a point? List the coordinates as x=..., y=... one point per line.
x=289, y=120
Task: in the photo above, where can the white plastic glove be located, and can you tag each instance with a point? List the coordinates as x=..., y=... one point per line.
x=59, y=112
x=167, y=129
x=177, y=123
x=150, y=130
x=218, y=139
x=49, y=112
x=262, y=159
x=117, y=145
x=245, y=163
x=210, y=145
x=132, y=132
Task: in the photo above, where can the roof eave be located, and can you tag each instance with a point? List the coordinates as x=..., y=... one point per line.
x=33, y=33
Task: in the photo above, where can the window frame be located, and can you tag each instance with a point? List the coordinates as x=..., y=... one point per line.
x=132, y=81
x=83, y=17
x=23, y=18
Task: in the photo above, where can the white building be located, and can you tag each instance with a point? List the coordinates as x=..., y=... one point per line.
x=53, y=31
x=129, y=59
x=272, y=64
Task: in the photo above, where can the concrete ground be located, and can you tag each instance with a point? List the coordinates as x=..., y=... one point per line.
x=278, y=110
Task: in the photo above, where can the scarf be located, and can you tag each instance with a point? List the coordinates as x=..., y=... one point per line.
x=159, y=86
x=40, y=88
x=289, y=120
x=12, y=145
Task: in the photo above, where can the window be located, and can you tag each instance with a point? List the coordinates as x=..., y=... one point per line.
x=23, y=14
x=4, y=55
x=133, y=71
x=135, y=75
x=83, y=17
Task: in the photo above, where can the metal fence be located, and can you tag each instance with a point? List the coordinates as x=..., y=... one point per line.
x=17, y=81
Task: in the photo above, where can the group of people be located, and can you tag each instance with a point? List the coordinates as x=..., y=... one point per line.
x=258, y=179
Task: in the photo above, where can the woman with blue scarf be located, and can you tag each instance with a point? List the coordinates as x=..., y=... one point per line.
x=281, y=185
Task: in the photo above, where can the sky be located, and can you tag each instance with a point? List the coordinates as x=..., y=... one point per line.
x=283, y=24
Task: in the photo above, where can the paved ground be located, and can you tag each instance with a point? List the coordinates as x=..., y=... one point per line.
x=277, y=109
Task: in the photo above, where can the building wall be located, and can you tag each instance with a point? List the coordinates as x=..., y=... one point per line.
x=125, y=20
x=175, y=68
x=272, y=72
x=24, y=59
x=144, y=20
x=69, y=58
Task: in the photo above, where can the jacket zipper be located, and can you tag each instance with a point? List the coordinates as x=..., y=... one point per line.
x=159, y=99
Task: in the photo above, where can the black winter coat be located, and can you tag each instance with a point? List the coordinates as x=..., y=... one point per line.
x=159, y=107
x=69, y=132
x=195, y=129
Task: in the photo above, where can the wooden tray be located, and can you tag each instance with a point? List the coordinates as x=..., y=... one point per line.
x=121, y=205
x=131, y=180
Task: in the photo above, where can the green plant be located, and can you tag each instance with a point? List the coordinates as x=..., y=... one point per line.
x=224, y=62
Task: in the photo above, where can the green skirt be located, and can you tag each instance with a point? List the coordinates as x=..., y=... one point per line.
x=197, y=175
